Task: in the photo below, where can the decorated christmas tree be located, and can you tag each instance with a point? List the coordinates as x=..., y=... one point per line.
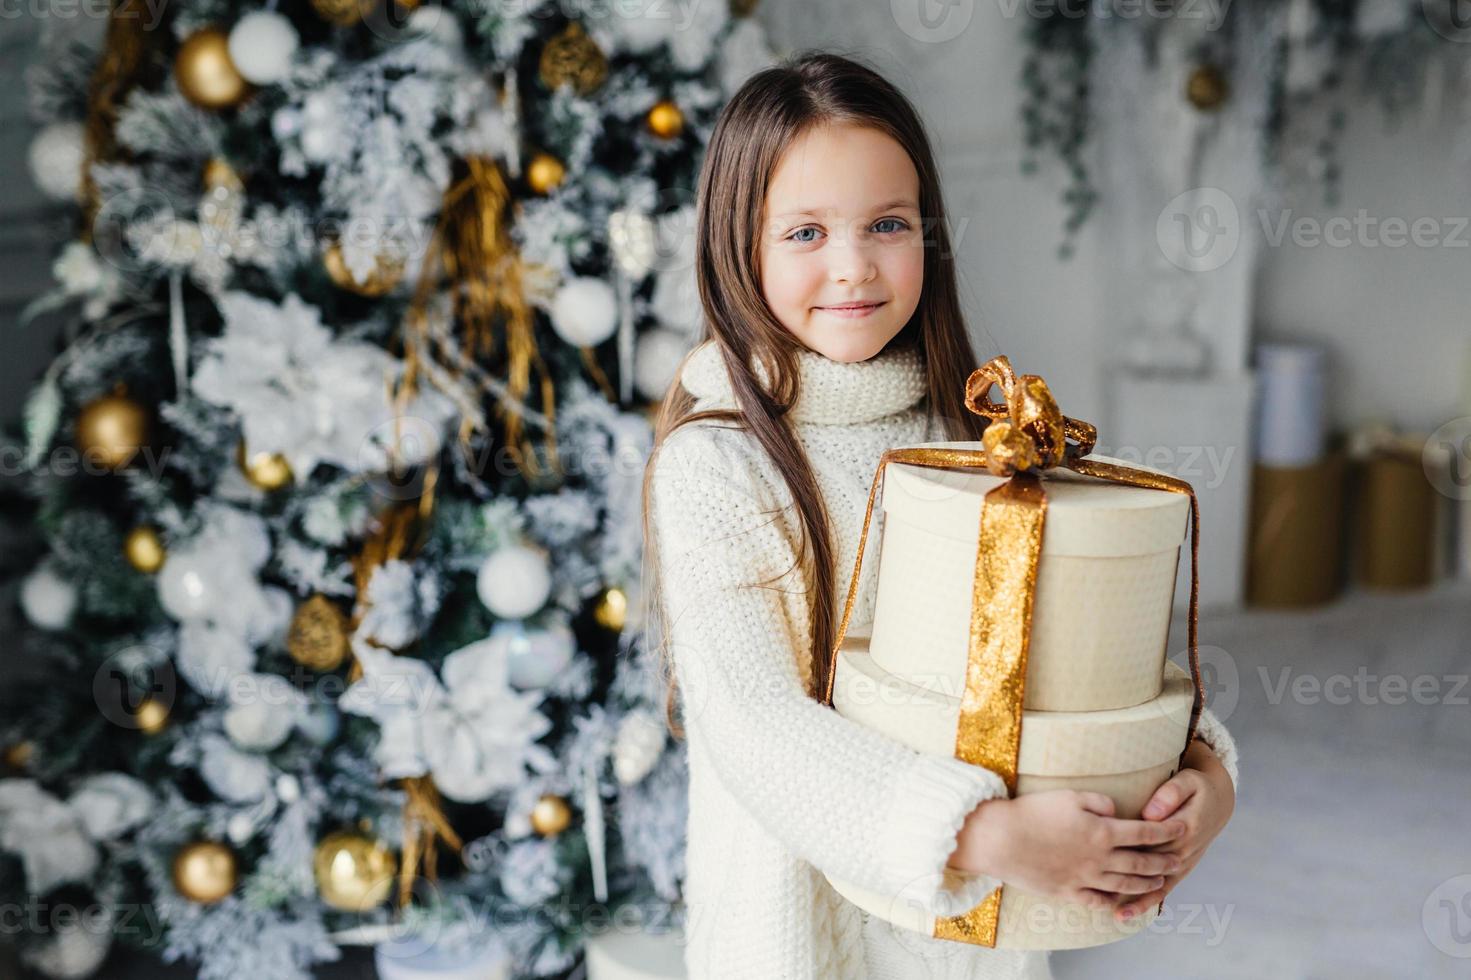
x=332, y=489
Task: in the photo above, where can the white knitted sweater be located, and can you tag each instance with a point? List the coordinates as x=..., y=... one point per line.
x=781, y=786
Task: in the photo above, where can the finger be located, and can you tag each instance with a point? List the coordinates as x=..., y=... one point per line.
x=1128, y=884
x=1169, y=798
x=1099, y=803
x=1147, y=863
x=1139, y=905
x=1134, y=833
x=1093, y=898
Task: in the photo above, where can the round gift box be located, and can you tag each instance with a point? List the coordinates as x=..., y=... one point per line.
x=1105, y=583
x=636, y=956
x=1126, y=753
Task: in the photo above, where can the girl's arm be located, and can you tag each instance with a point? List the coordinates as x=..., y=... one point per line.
x=1210, y=731
x=848, y=800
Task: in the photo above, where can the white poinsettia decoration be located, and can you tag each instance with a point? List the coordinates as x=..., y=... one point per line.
x=301, y=392
x=56, y=839
x=467, y=727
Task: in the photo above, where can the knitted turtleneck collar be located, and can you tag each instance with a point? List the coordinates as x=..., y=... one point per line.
x=831, y=392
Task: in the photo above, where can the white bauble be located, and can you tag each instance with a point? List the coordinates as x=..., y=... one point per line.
x=585, y=311
x=318, y=143
x=263, y=712
x=286, y=122
x=319, y=723
x=261, y=46
x=48, y=599
x=433, y=20
x=641, y=31
x=637, y=746
x=514, y=582
x=656, y=359
x=186, y=589
x=56, y=157
x=110, y=804
x=534, y=655
x=240, y=828
x=255, y=727
x=75, y=951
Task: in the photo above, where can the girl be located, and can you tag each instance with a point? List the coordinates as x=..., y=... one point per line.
x=832, y=332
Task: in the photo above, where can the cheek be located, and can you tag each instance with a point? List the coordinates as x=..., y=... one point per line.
x=787, y=283
x=904, y=268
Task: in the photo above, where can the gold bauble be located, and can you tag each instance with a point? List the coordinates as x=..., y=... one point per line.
x=551, y=815
x=268, y=471
x=573, y=57
x=111, y=429
x=144, y=549
x=611, y=611
x=205, y=871
x=218, y=173
x=151, y=717
x=318, y=635
x=1207, y=88
x=343, y=13
x=666, y=120
x=385, y=275
x=354, y=872
x=206, y=75
x=17, y=756
x=544, y=173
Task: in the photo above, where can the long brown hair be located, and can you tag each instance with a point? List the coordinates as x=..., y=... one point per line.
x=773, y=109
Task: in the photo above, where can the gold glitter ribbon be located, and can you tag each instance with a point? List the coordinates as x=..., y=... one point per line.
x=1027, y=434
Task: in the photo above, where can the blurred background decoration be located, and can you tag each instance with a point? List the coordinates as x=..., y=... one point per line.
x=335, y=333
x=325, y=522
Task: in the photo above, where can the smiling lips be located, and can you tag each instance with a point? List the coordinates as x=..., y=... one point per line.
x=852, y=310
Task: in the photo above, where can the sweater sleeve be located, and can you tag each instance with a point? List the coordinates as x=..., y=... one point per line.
x=846, y=799
x=1212, y=732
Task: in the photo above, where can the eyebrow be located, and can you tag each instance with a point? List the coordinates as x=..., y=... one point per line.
x=902, y=202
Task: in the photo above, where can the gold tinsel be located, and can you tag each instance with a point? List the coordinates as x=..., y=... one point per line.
x=205, y=871
x=354, y=872
x=472, y=249
x=268, y=471
x=424, y=823
x=17, y=756
x=343, y=13
x=573, y=58
x=218, y=173
x=205, y=74
x=317, y=638
x=111, y=429
x=118, y=71
x=665, y=119
x=144, y=549
x=387, y=273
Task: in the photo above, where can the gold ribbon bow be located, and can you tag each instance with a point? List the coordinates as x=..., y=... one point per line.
x=1027, y=434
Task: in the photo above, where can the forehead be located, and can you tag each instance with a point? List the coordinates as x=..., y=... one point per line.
x=841, y=169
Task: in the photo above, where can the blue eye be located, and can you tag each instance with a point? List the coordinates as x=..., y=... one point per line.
x=903, y=226
x=804, y=241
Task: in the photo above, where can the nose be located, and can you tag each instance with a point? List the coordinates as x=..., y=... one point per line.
x=849, y=259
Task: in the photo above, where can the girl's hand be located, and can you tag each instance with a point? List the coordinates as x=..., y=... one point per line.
x=1203, y=798
x=1067, y=844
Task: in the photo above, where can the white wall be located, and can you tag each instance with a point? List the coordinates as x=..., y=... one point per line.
x=1397, y=321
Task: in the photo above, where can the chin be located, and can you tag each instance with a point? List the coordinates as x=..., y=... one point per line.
x=852, y=348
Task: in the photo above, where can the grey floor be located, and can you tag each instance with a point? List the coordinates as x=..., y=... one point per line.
x=1352, y=814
